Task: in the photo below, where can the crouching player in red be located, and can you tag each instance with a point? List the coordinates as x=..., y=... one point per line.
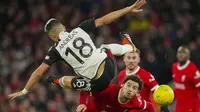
x=116, y=98
x=186, y=79
x=131, y=61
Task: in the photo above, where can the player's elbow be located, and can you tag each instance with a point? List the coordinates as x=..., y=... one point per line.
x=100, y=21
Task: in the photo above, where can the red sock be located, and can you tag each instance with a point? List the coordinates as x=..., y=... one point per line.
x=56, y=81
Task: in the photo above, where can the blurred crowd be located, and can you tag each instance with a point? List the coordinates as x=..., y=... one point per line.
x=158, y=31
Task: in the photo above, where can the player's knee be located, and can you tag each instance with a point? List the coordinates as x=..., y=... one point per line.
x=81, y=84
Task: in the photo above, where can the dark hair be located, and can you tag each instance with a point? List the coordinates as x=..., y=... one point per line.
x=135, y=79
x=50, y=24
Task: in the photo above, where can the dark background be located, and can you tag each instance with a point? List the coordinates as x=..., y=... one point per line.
x=163, y=26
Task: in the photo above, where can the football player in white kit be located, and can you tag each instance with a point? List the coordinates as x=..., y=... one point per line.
x=95, y=67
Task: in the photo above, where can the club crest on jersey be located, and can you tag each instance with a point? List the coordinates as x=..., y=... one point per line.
x=183, y=78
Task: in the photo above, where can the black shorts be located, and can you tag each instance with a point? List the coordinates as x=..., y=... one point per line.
x=108, y=74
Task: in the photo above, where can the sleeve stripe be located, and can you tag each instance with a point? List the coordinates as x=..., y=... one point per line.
x=145, y=104
x=154, y=88
x=197, y=85
x=197, y=75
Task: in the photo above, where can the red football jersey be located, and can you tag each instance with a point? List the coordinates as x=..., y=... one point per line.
x=149, y=83
x=107, y=101
x=186, y=81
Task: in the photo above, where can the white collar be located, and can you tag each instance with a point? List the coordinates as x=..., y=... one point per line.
x=134, y=72
x=183, y=66
x=119, y=98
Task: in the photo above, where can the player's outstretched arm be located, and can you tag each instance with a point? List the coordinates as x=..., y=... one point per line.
x=117, y=14
x=36, y=75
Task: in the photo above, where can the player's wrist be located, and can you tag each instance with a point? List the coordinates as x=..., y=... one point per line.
x=25, y=91
x=128, y=9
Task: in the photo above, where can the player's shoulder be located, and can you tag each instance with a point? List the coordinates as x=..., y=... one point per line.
x=112, y=88
x=192, y=64
x=122, y=72
x=53, y=47
x=175, y=64
x=134, y=100
x=52, y=50
x=143, y=72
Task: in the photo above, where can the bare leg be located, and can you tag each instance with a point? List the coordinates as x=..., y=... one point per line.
x=72, y=82
x=65, y=81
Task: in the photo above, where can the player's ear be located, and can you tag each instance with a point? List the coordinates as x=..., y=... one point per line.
x=122, y=85
x=52, y=36
x=64, y=27
x=139, y=59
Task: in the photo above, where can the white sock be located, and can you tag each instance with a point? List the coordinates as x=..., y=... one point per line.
x=61, y=82
x=118, y=49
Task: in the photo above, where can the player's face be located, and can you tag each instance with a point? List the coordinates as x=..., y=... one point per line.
x=182, y=54
x=130, y=89
x=131, y=60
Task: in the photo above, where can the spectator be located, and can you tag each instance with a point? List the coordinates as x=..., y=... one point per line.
x=164, y=25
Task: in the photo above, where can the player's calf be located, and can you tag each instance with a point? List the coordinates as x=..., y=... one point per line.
x=72, y=82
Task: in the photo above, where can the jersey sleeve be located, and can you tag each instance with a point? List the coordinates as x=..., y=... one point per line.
x=52, y=56
x=196, y=76
x=152, y=83
x=110, y=90
x=88, y=25
x=139, y=104
x=121, y=77
x=83, y=97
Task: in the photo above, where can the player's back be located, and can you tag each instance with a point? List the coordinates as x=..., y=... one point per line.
x=77, y=49
x=186, y=79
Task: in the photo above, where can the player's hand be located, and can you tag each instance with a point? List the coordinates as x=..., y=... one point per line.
x=81, y=108
x=14, y=95
x=137, y=5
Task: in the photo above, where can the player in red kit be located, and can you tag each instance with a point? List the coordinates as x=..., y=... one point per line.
x=186, y=79
x=117, y=98
x=131, y=61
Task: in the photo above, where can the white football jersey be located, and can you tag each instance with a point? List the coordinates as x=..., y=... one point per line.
x=77, y=49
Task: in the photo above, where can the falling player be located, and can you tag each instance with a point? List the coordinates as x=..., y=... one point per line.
x=131, y=61
x=95, y=67
x=117, y=98
x=186, y=79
